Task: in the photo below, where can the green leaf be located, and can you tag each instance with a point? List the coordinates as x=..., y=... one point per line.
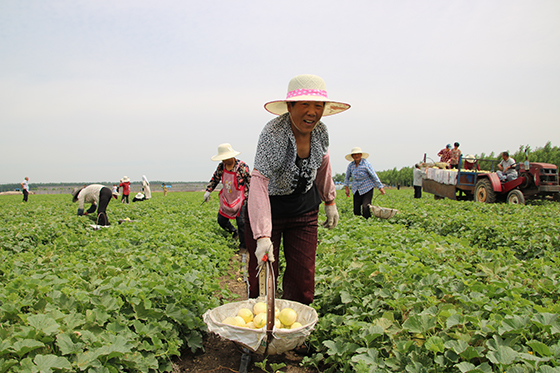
x=74, y=320
x=420, y=324
x=67, y=346
x=465, y=367
x=44, y=323
x=457, y=346
x=118, y=348
x=503, y=355
x=547, y=321
x=548, y=369
x=24, y=346
x=87, y=360
x=194, y=341
x=435, y=344
x=472, y=353
x=335, y=348
x=45, y=363
x=345, y=297
x=5, y=365
x=513, y=324
x=540, y=348
x=453, y=320
x=27, y=365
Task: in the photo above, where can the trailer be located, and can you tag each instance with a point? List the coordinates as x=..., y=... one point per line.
x=535, y=180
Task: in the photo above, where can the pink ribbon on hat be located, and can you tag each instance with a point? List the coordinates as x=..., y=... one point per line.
x=306, y=92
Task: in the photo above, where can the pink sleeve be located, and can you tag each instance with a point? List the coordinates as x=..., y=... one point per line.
x=324, y=180
x=259, y=206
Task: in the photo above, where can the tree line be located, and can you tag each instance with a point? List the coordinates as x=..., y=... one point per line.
x=403, y=176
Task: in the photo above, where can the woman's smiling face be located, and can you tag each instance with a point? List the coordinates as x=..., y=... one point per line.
x=305, y=115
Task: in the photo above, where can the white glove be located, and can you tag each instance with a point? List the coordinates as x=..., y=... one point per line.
x=207, y=196
x=264, y=247
x=332, y=216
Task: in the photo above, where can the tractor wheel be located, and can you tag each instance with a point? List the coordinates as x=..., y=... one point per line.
x=516, y=197
x=483, y=192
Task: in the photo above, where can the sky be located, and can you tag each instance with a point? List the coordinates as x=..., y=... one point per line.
x=96, y=90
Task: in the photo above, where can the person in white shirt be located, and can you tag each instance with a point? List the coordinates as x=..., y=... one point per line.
x=417, y=181
x=25, y=188
x=506, y=167
x=99, y=196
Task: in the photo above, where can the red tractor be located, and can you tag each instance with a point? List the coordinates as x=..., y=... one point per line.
x=540, y=180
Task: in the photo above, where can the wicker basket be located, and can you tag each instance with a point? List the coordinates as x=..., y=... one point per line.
x=382, y=212
x=267, y=340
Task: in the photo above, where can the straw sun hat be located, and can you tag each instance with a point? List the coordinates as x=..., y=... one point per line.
x=469, y=158
x=356, y=150
x=125, y=179
x=306, y=88
x=225, y=151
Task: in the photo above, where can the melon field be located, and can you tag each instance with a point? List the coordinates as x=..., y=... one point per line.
x=443, y=286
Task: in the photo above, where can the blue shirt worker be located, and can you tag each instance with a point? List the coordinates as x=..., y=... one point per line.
x=364, y=179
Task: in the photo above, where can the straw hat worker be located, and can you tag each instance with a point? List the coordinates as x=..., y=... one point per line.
x=290, y=180
x=235, y=177
x=364, y=179
x=471, y=163
x=125, y=184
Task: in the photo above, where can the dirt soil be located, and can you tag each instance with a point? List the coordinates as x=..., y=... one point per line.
x=223, y=356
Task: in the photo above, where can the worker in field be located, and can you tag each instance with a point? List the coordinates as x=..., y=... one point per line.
x=291, y=178
x=455, y=155
x=25, y=188
x=417, y=181
x=445, y=154
x=146, y=187
x=125, y=184
x=235, y=177
x=139, y=197
x=506, y=168
x=364, y=180
x=471, y=163
x=99, y=196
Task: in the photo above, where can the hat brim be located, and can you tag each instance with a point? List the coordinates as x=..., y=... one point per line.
x=280, y=107
x=222, y=157
x=350, y=159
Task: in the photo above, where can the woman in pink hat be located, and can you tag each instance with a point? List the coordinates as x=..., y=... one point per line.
x=290, y=180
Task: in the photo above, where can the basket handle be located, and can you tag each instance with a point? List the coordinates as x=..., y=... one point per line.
x=379, y=194
x=270, y=297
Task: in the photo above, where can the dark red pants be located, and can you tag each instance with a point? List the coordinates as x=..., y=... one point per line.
x=298, y=236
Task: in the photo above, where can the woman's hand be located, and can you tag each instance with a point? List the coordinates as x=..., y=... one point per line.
x=206, y=196
x=332, y=216
x=264, y=248
x=347, y=190
x=382, y=191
